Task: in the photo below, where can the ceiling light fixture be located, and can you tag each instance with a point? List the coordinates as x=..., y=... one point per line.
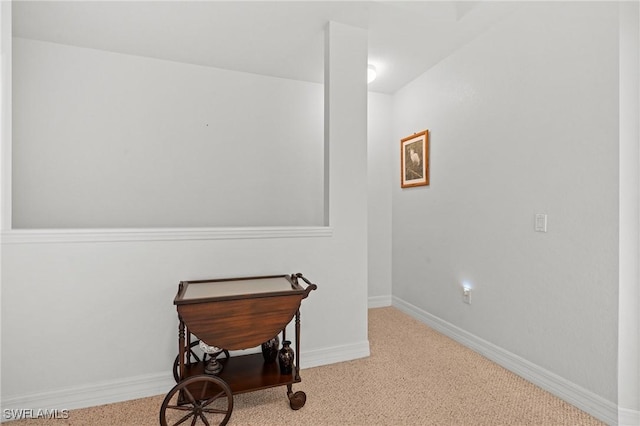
x=371, y=73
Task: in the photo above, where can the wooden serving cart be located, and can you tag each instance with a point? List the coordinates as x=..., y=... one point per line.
x=232, y=314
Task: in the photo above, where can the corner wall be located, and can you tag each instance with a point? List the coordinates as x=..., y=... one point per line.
x=381, y=148
x=523, y=120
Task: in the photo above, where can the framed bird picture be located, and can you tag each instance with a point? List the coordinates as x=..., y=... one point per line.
x=414, y=160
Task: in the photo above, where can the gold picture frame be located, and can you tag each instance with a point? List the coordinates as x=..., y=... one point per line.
x=414, y=160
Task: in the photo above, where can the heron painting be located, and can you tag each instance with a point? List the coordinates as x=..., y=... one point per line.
x=414, y=158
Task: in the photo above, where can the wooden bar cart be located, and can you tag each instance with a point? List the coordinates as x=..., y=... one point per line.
x=232, y=314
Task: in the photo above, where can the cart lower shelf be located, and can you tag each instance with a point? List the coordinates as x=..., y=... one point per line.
x=209, y=398
x=246, y=373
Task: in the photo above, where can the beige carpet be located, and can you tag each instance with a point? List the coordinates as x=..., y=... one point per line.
x=414, y=376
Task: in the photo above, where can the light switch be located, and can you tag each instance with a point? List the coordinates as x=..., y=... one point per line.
x=541, y=223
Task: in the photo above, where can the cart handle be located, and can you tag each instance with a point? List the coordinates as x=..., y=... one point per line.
x=310, y=285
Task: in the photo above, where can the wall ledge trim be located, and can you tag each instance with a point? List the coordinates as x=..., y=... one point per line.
x=40, y=236
x=578, y=396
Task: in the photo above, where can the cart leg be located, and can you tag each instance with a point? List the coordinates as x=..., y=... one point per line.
x=297, y=360
x=181, y=350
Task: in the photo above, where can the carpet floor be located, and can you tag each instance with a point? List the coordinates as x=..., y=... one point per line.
x=414, y=376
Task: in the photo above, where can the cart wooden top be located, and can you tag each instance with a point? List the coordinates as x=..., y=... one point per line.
x=240, y=313
x=237, y=288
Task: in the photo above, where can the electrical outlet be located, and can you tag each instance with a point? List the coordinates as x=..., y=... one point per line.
x=541, y=222
x=466, y=295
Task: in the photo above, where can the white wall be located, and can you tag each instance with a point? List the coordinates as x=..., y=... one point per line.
x=381, y=148
x=87, y=317
x=84, y=314
x=524, y=120
x=106, y=140
x=629, y=259
x=5, y=131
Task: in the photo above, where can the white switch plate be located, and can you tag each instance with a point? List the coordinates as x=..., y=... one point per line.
x=541, y=222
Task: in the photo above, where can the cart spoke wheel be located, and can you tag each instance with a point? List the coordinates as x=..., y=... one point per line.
x=211, y=400
x=179, y=407
x=194, y=355
x=214, y=411
x=212, y=407
x=184, y=419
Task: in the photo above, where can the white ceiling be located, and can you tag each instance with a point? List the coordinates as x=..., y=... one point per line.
x=276, y=38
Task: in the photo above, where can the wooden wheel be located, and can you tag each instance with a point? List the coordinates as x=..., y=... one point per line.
x=197, y=400
x=194, y=356
x=297, y=400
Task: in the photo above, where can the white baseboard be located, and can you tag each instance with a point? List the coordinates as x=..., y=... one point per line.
x=94, y=394
x=628, y=417
x=334, y=354
x=151, y=385
x=584, y=399
x=379, y=301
